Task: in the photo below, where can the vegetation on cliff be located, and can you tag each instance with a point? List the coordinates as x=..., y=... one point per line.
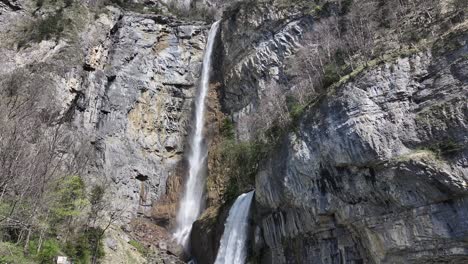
x=347, y=38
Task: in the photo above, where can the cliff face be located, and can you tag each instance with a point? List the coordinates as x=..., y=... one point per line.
x=365, y=159
x=126, y=82
x=374, y=170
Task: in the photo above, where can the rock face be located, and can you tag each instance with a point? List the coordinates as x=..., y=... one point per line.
x=360, y=182
x=255, y=48
x=125, y=84
x=376, y=170
x=141, y=106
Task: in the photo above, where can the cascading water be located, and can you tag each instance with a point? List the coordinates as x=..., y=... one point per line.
x=192, y=201
x=233, y=247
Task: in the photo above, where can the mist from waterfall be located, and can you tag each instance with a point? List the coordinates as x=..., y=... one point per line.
x=191, y=204
x=233, y=246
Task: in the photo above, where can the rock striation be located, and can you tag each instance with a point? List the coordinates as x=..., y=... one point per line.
x=126, y=83
x=374, y=170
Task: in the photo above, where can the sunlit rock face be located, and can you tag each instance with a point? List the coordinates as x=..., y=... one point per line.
x=124, y=82
x=142, y=103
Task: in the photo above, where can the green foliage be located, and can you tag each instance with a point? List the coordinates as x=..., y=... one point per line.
x=13, y=254
x=295, y=109
x=139, y=247
x=97, y=195
x=49, y=27
x=50, y=249
x=227, y=129
x=82, y=247
x=307, y=7
x=345, y=6
x=54, y=3
x=134, y=6
x=201, y=13
x=63, y=229
x=242, y=160
x=71, y=197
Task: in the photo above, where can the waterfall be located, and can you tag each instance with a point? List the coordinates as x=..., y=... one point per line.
x=233, y=247
x=191, y=204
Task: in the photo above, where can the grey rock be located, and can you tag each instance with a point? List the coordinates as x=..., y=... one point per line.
x=363, y=178
x=125, y=84
x=358, y=181
x=111, y=243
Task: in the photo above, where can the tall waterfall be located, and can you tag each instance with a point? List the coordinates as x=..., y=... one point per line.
x=233, y=247
x=192, y=201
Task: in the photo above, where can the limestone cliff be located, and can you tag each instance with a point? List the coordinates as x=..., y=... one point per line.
x=373, y=168
x=117, y=84
x=349, y=118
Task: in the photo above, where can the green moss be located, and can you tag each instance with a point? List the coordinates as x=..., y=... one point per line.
x=139, y=247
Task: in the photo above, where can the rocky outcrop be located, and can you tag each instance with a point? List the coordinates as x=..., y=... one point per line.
x=120, y=85
x=373, y=171
x=256, y=40
x=128, y=92
x=376, y=172
x=154, y=62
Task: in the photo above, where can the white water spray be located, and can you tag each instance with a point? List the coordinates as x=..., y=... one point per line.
x=233, y=247
x=192, y=202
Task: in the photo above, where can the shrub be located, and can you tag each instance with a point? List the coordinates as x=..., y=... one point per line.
x=134, y=6
x=13, y=254
x=202, y=13
x=295, y=109
x=227, y=129
x=445, y=148
x=87, y=243
x=71, y=197
x=50, y=249
x=242, y=160
x=331, y=75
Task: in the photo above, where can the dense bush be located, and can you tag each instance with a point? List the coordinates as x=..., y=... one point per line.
x=227, y=129
x=85, y=246
x=242, y=162
x=202, y=13
x=134, y=6
x=50, y=249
